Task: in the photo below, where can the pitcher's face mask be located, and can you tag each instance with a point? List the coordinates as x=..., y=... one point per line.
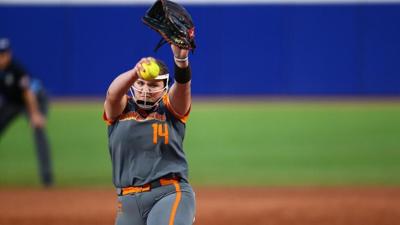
x=148, y=94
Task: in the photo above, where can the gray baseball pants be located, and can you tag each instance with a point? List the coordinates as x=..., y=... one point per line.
x=172, y=204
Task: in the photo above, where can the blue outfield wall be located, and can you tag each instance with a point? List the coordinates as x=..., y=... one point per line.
x=350, y=49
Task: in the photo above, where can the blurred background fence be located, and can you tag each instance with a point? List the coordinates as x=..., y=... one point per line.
x=250, y=49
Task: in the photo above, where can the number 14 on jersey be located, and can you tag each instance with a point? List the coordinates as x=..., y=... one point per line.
x=160, y=130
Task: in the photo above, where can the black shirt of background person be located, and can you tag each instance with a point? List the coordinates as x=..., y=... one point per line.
x=13, y=81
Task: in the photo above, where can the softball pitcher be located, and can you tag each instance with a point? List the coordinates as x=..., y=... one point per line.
x=145, y=132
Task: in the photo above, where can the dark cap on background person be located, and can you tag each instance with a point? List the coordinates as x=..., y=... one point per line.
x=5, y=53
x=5, y=45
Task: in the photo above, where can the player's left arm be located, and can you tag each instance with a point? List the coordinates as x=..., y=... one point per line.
x=180, y=92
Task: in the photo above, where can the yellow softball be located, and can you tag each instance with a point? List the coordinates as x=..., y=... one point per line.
x=151, y=70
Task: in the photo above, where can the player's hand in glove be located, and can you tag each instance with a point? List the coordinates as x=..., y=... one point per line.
x=173, y=22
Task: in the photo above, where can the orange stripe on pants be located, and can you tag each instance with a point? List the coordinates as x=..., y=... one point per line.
x=176, y=203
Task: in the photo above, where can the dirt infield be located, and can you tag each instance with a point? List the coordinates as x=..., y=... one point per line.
x=215, y=206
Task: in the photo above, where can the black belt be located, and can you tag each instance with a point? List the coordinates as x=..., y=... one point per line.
x=162, y=181
x=172, y=176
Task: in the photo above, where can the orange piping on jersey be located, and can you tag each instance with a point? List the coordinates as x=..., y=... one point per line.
x=136, y=116
x=129, y=116
x=108, y=121
x=167, y=103
x=176, y=203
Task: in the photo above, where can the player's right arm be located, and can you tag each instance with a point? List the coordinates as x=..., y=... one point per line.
x=116, y=94
x=36, y=117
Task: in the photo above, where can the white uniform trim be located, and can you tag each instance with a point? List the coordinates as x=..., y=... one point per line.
x=187, y=2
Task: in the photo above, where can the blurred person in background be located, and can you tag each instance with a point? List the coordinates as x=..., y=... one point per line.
x=21, y=95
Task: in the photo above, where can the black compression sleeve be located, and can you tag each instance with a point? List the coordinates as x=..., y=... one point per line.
x=183, y=75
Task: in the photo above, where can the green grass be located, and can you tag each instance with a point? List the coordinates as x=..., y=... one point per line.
x=264, y=143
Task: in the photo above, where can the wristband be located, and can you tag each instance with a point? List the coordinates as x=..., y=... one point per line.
x=183, y=75
x=181, y=59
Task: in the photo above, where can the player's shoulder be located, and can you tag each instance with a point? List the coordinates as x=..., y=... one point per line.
x=167, y=105
x=16, y=68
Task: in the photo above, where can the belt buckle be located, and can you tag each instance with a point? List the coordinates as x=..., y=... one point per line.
x=168, y=181
x=146, y=187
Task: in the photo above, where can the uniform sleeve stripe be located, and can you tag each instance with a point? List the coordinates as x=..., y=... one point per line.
x=106, y=120
x=167, y=103
x=109, y=121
